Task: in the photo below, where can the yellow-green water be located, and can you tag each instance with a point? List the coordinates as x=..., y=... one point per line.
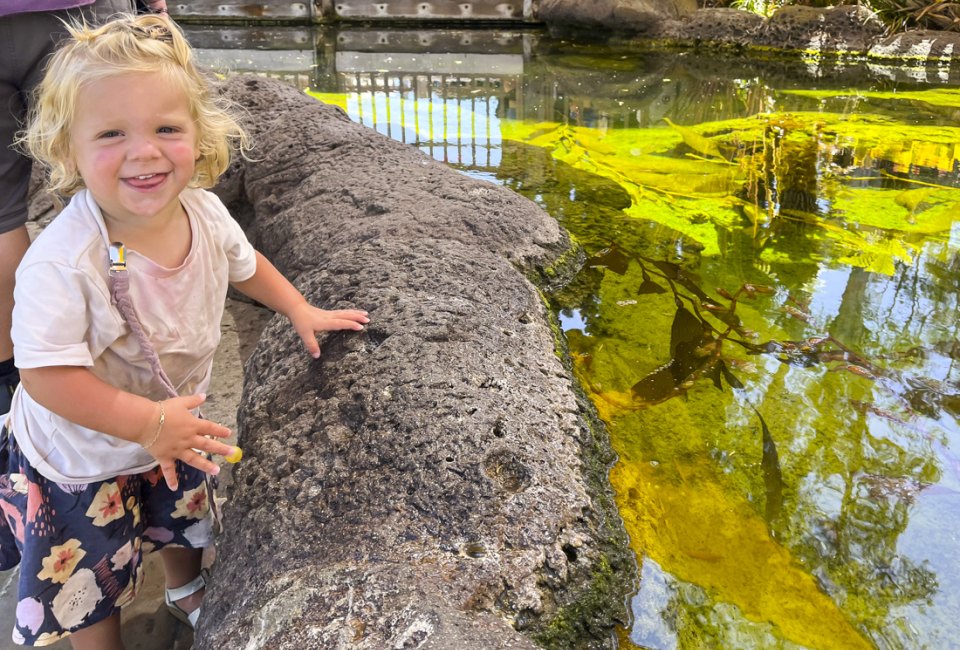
x=767, y=322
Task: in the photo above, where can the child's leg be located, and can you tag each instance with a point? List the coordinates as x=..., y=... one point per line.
x=104, y=635
x=181, y=566
x=179, y=524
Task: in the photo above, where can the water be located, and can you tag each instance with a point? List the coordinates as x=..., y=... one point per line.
x=768, y=320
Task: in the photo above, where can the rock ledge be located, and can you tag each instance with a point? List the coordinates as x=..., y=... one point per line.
x=434, y=481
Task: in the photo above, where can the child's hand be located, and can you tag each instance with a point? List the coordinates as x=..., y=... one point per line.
x=183, y=433
x=307, y=320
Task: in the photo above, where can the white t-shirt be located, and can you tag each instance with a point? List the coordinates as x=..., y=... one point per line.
x=63, y=316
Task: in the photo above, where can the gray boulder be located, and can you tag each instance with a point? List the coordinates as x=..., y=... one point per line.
x=435, y=481
x=614, y=15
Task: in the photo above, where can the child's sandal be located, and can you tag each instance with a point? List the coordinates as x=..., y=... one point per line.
x=173, y=595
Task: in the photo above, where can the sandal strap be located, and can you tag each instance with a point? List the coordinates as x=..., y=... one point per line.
x=191, y=587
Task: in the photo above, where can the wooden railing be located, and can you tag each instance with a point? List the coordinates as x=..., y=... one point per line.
x=330, y=11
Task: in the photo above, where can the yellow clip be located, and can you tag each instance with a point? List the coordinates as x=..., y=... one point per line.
x=118, y=257
x=234, y=456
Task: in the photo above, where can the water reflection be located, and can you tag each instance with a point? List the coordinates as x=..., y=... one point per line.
x=768, y=321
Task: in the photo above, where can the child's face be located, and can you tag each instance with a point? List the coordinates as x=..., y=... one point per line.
x=134, y=143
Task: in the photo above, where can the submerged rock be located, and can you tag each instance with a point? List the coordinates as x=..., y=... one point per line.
x=435, y=481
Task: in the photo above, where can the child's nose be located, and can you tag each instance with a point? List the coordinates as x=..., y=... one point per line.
x=143, y=147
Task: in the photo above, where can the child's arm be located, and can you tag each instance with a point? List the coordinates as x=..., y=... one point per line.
x=75, y=393
x=268, y=287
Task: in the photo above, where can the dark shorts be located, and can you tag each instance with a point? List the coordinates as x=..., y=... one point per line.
x=25, y=42
x=80, y=547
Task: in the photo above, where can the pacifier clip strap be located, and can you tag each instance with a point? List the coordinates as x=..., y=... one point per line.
x=120, y=293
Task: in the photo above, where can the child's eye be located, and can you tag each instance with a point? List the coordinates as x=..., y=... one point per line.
x=110, y=134
x=168, y=129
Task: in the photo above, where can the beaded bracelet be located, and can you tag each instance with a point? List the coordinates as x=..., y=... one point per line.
x=156, y=436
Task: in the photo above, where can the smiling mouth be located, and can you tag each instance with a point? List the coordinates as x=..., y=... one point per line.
x=145, y=181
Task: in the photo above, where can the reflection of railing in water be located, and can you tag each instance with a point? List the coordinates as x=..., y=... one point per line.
x=452, y=117
x=443, y=91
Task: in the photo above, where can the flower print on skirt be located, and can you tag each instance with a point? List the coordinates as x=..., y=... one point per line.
x=80, y=547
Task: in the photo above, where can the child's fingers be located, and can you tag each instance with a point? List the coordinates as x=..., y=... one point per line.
x=352, y=315
x=169, y=470
x=311, y=320
x=210, y=428
x=342, y=324
x=192, y=458
x=216, y=447
x=309, y=338
x=191, y=402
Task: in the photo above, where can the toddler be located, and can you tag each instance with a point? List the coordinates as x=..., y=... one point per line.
x=118, y=302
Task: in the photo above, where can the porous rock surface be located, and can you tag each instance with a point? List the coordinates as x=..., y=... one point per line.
x=433, y=481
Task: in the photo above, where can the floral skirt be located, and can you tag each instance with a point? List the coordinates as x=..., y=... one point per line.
x=80, y=547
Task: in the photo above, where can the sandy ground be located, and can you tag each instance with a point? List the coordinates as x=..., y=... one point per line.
x=146, y=623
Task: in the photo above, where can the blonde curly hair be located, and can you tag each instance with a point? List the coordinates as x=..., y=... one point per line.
x=126, y=44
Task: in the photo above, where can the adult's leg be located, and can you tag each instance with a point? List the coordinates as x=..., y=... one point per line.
x=13, y=244
x=17, y=62
x=25, y=42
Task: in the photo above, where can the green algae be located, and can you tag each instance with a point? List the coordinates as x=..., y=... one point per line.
x=570, y=627
x=946, y=97
x=724, y=179
x=689, y=479
x=702, y=517
x=583, y=616
x=336, y=99
x=847, y=209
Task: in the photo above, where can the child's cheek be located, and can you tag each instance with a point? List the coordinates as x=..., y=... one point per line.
x=97, y=165
x=184, y=151
x=104, y=159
